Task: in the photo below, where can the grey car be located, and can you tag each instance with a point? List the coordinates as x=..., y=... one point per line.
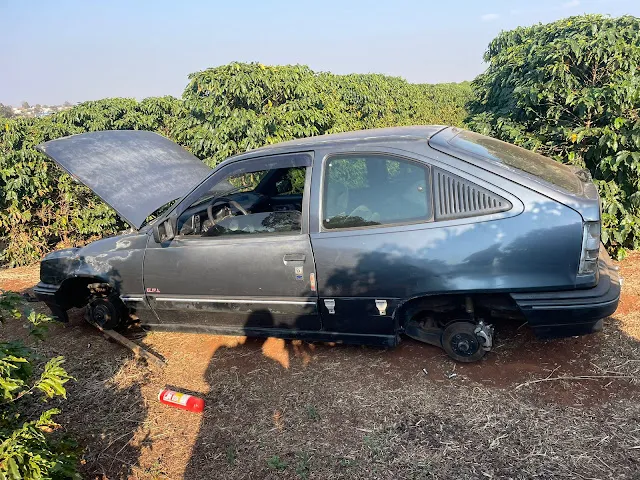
x=362, y=237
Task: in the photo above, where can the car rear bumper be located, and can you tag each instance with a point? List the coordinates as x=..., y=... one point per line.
x=573, y=312
x=46, y=293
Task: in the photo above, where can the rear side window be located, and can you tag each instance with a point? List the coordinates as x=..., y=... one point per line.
x=366, y=190
x=511, y=156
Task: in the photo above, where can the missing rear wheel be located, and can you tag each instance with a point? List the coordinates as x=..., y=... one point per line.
x=461, y=342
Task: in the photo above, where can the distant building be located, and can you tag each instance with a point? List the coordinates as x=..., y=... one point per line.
x=38, y=111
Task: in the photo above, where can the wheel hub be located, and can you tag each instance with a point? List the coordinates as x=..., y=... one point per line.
x=101, y=314
x=464, y=344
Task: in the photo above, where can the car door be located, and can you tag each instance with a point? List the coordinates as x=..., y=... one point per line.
x=241, y=261
x=389, y=225
x=367, y=204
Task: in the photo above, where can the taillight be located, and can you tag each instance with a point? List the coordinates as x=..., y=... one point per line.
x=590, y=248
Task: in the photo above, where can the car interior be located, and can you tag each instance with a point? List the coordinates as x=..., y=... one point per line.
x=375, y=190
x=267, y=201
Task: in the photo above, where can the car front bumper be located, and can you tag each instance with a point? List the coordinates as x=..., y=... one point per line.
x=46, y=293
x=574, y=312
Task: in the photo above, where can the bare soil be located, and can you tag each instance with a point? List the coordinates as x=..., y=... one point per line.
x=280, y=409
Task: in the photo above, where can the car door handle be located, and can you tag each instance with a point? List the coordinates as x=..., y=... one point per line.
x=294, y=257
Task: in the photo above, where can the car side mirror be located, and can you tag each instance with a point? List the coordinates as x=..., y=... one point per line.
x=165, y=230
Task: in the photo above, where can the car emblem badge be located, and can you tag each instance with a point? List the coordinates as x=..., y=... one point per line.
x=381, y=305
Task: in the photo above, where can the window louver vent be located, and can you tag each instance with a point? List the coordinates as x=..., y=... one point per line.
x=455, y=197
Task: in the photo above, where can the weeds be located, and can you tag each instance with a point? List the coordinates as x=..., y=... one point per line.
x=303, y=466
x=312, y=413
x=276, y=463
x=231, y=455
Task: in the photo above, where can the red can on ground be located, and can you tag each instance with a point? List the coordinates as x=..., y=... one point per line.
x=181, y=400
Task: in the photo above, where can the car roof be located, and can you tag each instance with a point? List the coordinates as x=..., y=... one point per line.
x=414, y=132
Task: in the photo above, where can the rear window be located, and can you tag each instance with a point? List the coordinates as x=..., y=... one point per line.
x=511, y=156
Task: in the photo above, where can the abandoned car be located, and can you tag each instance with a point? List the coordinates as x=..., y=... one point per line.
x=428, y=231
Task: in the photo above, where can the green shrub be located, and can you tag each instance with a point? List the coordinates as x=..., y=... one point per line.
x=237, y=107
x=29, y=446
x=41, y=208
x=570, y=90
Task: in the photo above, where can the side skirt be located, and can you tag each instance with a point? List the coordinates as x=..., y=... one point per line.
x=306, y=335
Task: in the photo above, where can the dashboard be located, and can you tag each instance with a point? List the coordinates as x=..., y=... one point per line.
x=195, y=220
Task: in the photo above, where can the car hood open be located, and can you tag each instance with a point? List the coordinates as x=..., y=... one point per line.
x=135, y=172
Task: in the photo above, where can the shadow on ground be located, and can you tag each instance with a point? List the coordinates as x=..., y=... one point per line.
x=284, y=409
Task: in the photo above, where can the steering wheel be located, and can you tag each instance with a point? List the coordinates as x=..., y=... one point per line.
x=233, y=203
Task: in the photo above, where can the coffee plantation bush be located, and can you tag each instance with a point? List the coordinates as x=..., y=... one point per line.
x=238, y=107
x=570, y=90
x=224, y=111
x=30, y=447
x=40, y=207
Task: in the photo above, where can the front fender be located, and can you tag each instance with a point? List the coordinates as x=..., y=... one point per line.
x=116, y=261
x=58, y=265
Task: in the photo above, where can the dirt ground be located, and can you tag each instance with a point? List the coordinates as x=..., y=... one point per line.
x=280, y=409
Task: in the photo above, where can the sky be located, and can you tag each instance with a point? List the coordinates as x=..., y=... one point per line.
x=77, y=50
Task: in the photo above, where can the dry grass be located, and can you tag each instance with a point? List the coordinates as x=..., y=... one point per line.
x=20, y=278
x=280, y=409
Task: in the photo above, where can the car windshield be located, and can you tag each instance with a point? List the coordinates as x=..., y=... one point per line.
x=158, y=213
x=215, y=194
x=511, y=156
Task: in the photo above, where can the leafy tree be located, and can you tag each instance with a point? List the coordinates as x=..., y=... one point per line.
x=6, y=111
x=570, y=90
x=42, y=208
x=26, y=105
x=29, y=446
x=372, y=101
x=238, y=107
